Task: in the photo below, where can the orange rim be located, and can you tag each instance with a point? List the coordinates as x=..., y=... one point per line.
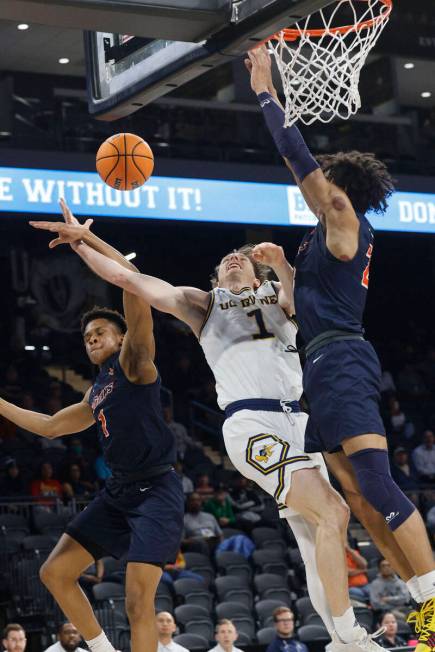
x=294, y=34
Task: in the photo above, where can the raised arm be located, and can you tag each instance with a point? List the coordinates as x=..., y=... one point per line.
x=273, y=256
x=185, y=303
x=68, y=421
x=329, y=203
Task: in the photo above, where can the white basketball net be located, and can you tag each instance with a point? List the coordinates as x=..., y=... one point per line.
x=320, y=73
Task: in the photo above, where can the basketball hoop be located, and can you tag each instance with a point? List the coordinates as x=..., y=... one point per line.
x=320, y=66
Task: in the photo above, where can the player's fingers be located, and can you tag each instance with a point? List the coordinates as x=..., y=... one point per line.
x=88, y=223
x=248, y=65
x=46, y=226
x=53, y=243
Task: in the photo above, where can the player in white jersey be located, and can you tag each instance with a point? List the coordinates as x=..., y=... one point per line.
x=245, y=328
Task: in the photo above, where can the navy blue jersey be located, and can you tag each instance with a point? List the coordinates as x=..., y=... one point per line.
x=330, y=294
x=130, y=424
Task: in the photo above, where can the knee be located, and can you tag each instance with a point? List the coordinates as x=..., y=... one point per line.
x=139, y=604
x=49, y=573
x=335, y=514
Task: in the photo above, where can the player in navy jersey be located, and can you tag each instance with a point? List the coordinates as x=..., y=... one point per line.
x=139, y=514
x=342, y=371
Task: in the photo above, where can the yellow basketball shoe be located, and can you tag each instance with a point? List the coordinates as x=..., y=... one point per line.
x=424, y=624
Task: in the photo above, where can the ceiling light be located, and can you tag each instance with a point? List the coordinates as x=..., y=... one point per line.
x=64, y=60
x=130, y=256
x=22, y=27
x=45, y=348
x=426, y=94
x=5, y=134
x=409, y=65
x=29, y=347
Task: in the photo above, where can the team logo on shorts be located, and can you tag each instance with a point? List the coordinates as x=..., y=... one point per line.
x=268, y=453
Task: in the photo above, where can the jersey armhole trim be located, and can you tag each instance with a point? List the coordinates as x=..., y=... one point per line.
x=208, y=313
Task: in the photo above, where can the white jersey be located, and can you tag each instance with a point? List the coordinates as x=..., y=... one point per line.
x=249, y=343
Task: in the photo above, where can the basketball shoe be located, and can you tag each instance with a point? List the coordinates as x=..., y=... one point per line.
x=424, y=624
x=364, y=642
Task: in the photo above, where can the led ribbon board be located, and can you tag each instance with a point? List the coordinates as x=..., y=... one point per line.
x=31, y=191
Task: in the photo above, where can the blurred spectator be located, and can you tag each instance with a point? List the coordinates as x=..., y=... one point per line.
x=203, y=486
x=182, y=440
x=389, y=638
x=388, y=592
x=77, y=454
x=404, y=473
x=12, y=387
x=221, y=508
x=92, y=576
x=14, y=638
x=69, y=640
x=285, y=640
x=430, y=519
x=387, y=383
x=201, y=530
x=424, y=457
x=166, y=628
x=74, y=486
x=177, y=571
x=225, y=635
x=246, y=502
x=398, y=421
x=13, y=484
x=46, y=485
x=52, y=406
x=187, y=482
x=357, y=578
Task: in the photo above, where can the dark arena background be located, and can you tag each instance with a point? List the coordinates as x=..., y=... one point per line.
x=73, y=73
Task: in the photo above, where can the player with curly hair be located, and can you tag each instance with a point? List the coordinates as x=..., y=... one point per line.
x=342, y=371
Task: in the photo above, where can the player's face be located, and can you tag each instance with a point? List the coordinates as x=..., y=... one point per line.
x=102, y=339
x=165, y=623
x=236, y=268
x=15, y=642
x=226, y=635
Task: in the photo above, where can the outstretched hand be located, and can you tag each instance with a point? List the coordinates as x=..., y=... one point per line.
x=269, y=254
x=69, y=232
x=259, y=66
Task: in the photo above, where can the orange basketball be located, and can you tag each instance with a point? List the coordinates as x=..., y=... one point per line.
x=125, y=161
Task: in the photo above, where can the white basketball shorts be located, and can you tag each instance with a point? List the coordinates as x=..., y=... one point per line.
x=267, y=447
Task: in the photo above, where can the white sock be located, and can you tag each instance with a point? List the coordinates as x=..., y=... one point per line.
x=100, y=644
x=427, y=586
x=345, y=625
x=414, y=589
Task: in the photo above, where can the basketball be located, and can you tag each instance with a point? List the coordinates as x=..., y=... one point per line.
x=125, y=161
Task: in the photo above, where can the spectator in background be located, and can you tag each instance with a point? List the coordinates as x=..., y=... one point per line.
x=13, y=484
x=177, y=571
x=357, y=578
x=201, y=530
x=14, y=638
x=398, y=423
x=387, y=384
x=74, y=486
x=285, y=640
x=166, y=628
x=46, y=485
x=221, y=508
x=203, y=486
x=404, y=473
x=247, y=502
x=69, y=640
x=389, y=638
x=187, y=482
x=77, y=454
x=53, y=405
x=225, y=634
x=388, y=592
x=183, y=441
x=424, y=457
x=410, y=382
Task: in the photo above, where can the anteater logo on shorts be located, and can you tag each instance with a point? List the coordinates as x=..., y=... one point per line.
x=268, y=453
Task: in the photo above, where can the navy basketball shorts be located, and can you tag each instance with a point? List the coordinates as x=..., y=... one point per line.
x=342, y=386
x=141, y=521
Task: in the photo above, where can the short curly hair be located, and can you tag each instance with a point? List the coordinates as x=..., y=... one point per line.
x=98, y=312
x=364, y=178
x=261, y=272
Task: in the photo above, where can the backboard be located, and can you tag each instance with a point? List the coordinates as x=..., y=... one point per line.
x=127, y=72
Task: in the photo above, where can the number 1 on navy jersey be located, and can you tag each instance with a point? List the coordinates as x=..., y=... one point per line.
x=264, y=333
x=102, y=420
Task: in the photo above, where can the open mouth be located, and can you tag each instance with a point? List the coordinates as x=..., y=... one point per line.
x=233, y=265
